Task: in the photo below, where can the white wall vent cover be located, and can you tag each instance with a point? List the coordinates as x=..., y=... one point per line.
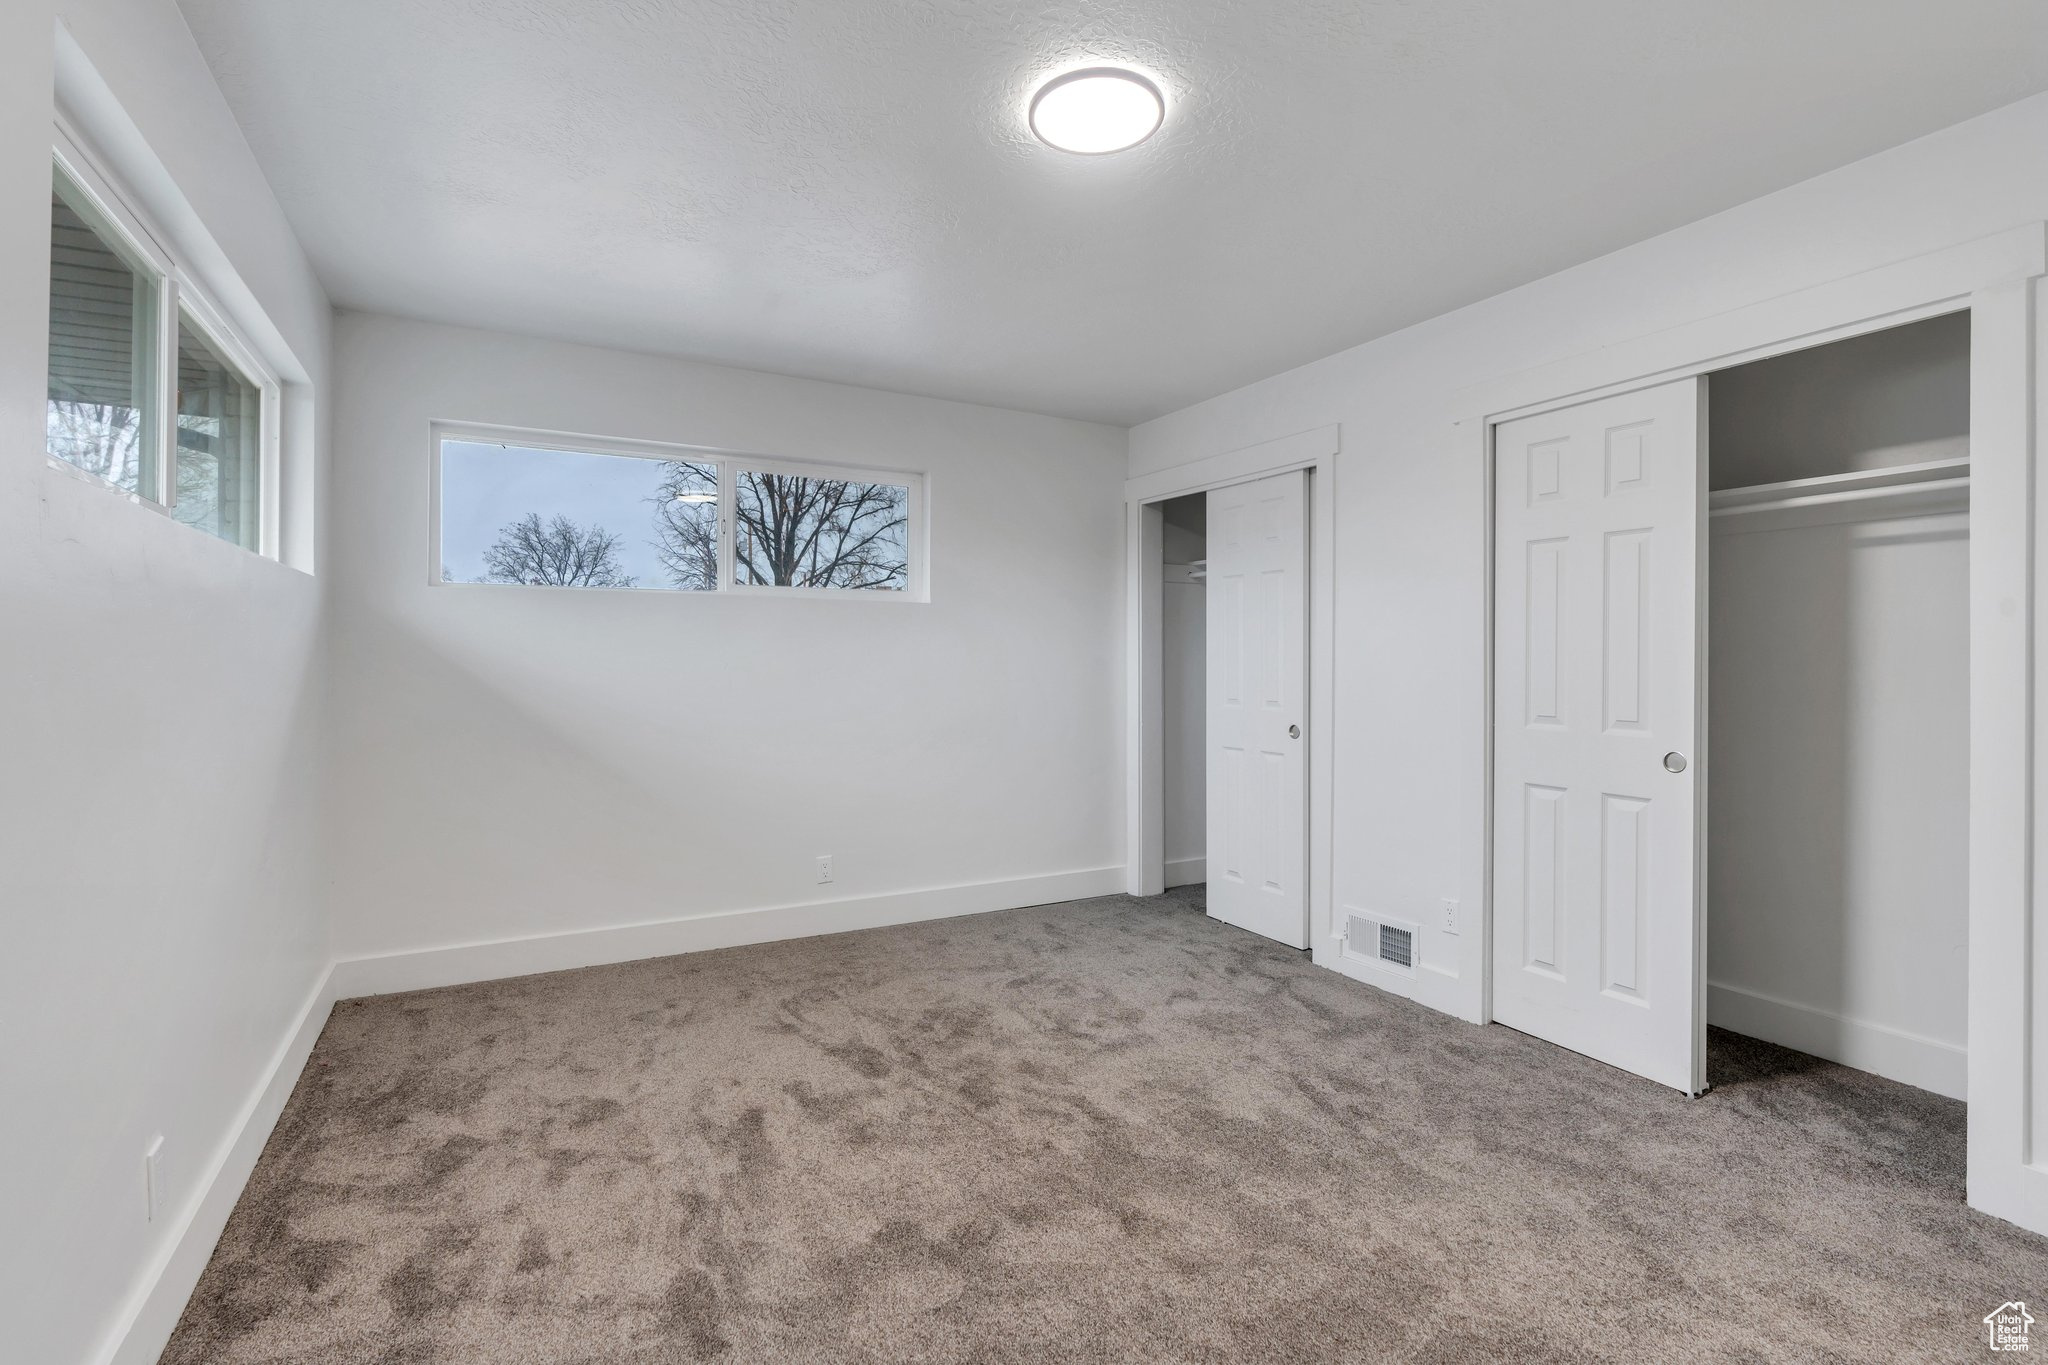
x=1393, y=945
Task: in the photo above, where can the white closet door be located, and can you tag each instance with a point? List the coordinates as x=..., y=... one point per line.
x=1596, y=906
x=1258, y=707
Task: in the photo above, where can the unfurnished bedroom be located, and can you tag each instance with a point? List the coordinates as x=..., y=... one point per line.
x=930, y=682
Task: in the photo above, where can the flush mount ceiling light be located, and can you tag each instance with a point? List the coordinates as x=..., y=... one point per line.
x=1095, y=110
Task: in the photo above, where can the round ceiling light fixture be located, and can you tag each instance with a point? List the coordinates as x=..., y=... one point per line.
x=1097, y=109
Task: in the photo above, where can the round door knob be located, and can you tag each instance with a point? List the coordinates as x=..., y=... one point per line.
x=1294, y=732
x=1674, y=762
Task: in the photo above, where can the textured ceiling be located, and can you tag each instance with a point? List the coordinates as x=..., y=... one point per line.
x=845, y=188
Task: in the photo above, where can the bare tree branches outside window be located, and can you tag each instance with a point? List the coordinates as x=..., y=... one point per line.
x=801, y=532
x=789, y=530
x=686, y=524
x=539, y=515
x=556, y=553
x=100, y=438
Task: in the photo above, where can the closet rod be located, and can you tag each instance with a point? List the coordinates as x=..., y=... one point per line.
x=1852, y=481
x=1930, y=486
x=1926, y=496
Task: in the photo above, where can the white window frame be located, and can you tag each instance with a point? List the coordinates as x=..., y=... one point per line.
x=179, y=295
x=916, y=540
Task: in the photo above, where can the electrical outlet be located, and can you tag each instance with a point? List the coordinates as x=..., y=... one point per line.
x=153, y=1176
x=1450, y=916
x=824, y=868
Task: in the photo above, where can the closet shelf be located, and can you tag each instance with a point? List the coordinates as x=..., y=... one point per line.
x=1905, y=490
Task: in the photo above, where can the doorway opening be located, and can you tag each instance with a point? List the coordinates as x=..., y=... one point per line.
x=1222, y=703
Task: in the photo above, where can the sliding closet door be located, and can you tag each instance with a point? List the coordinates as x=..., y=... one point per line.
x=1596, y=910
x=1257, y=705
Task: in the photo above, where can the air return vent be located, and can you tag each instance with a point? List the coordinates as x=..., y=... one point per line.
x=1397, y=946
x=1390, y=944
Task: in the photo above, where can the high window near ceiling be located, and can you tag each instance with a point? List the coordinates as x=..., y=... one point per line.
x=516, y=508
x=152, y=391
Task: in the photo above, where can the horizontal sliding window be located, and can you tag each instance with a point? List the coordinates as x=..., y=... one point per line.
x=604, y=515
x=150, y=390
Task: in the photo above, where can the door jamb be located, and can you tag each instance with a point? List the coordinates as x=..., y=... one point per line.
x=1144, y=770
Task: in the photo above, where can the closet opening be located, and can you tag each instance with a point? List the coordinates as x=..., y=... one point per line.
x=1223, y=646
x=1183, y=692
x=1836, y=668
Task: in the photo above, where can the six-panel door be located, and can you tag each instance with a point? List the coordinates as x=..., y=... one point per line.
x=1596, y=942
x=1258, y=706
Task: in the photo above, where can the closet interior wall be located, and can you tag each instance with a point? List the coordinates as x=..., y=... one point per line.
x=1838, y=701
x=1184, y=653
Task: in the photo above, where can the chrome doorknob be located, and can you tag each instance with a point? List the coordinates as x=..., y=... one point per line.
x=1294, y=732
x=1674, y=762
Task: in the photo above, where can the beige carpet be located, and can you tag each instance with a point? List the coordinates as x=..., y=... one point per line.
x=1106, y=1131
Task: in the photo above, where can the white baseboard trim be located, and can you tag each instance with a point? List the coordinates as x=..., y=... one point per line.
x=1186, y=871
x=144, y=1324
x=1889, y=1052
x=493, y=960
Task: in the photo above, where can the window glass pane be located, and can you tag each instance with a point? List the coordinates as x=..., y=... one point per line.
x=220, y=422
x=565, y=518
x=103, y=336
x=686, y=524
x=794, y=531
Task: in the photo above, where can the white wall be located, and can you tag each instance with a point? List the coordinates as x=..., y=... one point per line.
x=1410, y=552
x=1838, y=822
x=159, y=919
x=516, y=762
x=1184, y=680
